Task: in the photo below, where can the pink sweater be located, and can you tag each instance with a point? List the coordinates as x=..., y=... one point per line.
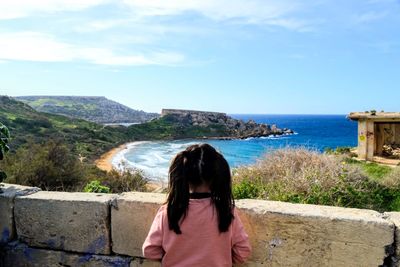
x=201, y=243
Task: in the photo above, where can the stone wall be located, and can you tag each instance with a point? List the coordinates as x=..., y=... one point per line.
x=42, y=228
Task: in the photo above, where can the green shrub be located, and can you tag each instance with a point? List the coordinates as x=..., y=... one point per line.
x=96, y=187
x=50, y=166
x=4, y=148
x=246, y=189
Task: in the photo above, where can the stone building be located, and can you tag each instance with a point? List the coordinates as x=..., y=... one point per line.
x=378, y=136
x=184, y=112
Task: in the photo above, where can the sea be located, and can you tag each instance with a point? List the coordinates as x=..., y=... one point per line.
x=315, y=132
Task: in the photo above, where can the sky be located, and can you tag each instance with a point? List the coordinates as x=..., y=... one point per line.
x=234, y=56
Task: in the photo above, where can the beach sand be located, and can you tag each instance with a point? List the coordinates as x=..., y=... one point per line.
x=105, y=161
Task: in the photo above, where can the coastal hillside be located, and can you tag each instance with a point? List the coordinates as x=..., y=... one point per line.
x=91, y=108
x=83, y=137
x=181, y=124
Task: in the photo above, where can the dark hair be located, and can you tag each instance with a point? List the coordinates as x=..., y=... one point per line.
x=197, y=165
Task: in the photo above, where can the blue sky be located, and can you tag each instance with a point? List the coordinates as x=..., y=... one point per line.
x=236, y=56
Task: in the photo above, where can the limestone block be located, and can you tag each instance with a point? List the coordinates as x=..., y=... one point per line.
x=131, y=217
x=78, y=222
x=7, y=196
x=137, y=262
x=284, y=234
x=395, y=218
x=20, y=255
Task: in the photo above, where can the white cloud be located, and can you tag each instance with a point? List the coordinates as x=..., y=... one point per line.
x=245, y=11
x=33, y=46
x=292, y=24
x=219, y=10
x=381, y=1
x=10, y=9
x=370, y=16
x=100, y=25
x=269, y=12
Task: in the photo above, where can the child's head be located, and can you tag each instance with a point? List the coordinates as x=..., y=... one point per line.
x=199, y=165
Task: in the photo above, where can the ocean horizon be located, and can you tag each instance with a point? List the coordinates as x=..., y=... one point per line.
x=315, y=132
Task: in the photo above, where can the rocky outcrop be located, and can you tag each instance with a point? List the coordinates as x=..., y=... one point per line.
x=234, y=128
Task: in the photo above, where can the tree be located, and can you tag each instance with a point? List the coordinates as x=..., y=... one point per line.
x=4, y=148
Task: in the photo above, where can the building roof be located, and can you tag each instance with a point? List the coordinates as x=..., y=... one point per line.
x=378, y=116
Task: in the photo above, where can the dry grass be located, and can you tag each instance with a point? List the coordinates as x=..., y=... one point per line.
x=304, y=176
x=300, y=171
x=392, y=180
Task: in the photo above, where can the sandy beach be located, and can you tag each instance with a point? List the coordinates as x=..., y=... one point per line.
x=105, y=161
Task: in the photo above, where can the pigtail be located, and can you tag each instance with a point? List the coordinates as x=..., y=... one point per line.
x=178, y=196
x=220, y=180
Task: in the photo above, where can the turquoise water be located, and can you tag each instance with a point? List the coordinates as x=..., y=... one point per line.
x=312, y=131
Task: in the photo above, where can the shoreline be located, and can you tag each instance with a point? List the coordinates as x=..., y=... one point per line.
x=105, y=161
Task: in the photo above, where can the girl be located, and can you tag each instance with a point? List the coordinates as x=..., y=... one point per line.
x=198, y=225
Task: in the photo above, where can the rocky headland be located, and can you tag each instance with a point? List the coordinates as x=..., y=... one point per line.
x=232, y=128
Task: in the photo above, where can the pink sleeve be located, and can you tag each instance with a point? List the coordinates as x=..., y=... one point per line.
x=241, y=248
x=152, y=246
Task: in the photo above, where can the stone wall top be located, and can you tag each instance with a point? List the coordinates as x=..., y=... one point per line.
x=71, y=196
x=312, y=211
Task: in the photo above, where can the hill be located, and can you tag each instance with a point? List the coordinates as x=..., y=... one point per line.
x=83, y=137
x=92, y=108
x=90, y=139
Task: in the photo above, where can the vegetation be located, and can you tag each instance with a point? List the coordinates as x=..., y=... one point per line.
x=341, y=151
x=303, y=176
x=96, y=187
x=169, y=127
x=81, y=137
x=91, y=108
x=4, y=148
x=51, y=166
x=371, y=169
x=125, y=181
